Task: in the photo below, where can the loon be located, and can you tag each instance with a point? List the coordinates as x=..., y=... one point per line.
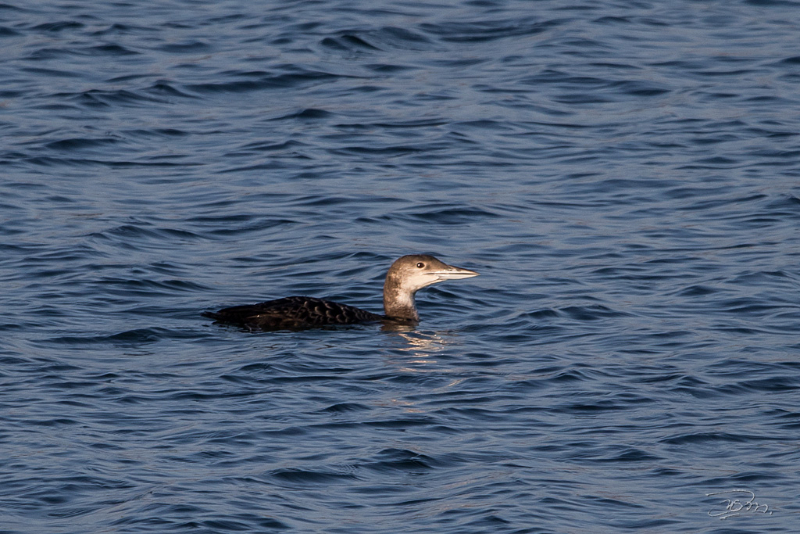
x=406, y=276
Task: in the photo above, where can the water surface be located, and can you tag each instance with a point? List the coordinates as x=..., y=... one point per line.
x=624, y=176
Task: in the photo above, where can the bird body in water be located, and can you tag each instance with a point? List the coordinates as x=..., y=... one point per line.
x=406, y=276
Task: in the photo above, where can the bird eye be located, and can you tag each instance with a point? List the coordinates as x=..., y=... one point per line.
x=420, y=265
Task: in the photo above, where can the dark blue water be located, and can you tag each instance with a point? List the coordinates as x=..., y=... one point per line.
x=624, y=175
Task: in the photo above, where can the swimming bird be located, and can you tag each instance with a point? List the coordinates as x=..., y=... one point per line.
x=406, y=276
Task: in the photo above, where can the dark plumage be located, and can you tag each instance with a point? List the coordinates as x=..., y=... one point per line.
x=406, y=276
x=291, y=313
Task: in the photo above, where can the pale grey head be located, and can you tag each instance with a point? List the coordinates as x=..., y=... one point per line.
x=408, y=275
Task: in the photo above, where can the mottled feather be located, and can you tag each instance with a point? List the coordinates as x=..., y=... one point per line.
x=292, y=313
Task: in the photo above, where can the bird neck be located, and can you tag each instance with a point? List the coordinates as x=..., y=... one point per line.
x=398, y=302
